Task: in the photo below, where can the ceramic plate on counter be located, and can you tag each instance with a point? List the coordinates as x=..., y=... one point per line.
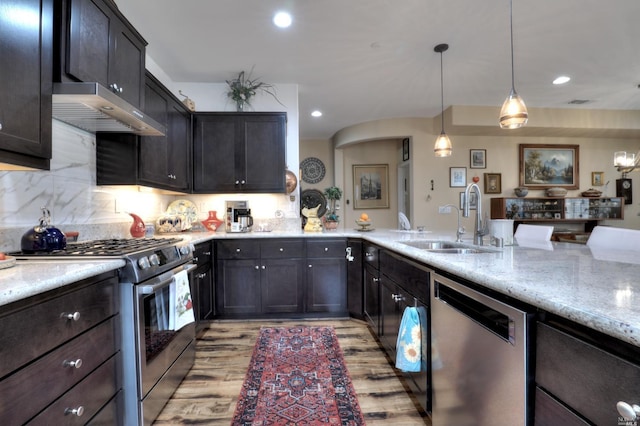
x=184, y=208
x=8, y=262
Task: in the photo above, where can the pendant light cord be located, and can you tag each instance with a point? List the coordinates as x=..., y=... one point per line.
x=441, y=95
x=513, y=83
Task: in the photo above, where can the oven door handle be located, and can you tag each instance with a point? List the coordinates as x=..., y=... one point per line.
x=150, y=289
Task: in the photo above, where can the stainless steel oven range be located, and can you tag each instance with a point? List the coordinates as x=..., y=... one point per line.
x=156, y=355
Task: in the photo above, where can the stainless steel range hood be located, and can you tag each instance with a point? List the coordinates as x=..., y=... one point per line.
x=94, y=108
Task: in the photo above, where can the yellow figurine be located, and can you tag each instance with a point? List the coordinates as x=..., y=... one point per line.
x=314, y=224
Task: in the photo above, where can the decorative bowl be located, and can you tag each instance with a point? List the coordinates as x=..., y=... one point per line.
x=521, y=191
x=363, y=223
x=591, y=193
x=556, y=192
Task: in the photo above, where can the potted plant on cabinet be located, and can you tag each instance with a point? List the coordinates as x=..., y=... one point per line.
x=331, y=219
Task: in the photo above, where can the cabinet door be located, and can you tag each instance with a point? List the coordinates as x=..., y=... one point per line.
x=179, y=135
x=126, y=64
x=326, y=285
x=372, y=298
x=214, y=153
x=281, y=285
x=355, y=289
x=392, y=305
x=26, y=83
x=88, y=48
x=262, y=153
x=238, y=287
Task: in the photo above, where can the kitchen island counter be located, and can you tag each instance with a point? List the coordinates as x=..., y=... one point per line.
x=600, y=290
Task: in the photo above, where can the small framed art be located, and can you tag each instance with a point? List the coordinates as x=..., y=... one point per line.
x=492, y=183
x=597, y=178
x=457, y=177
x=478, y=158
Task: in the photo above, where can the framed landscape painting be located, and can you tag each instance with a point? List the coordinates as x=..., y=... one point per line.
x=548, y=166
x=371, y=186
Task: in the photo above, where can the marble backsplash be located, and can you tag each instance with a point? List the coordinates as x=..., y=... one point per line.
x=76, y=203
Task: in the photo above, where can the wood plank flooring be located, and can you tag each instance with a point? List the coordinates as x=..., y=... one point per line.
x=209, y=392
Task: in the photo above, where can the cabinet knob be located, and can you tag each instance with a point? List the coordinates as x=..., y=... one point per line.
x=257, y=267
x=628, y=411
x=237, y=250
x=310, y=266
x=396, y=297
x=72, y=364
x=237, y=182
x=0, y=126
x=74, y=411
x=281, y=249
x=375, y=280
x=326, y=249
x=243, y=182
x=201, y=275
x=73, y=316
x=207, y=253
x=264, y=267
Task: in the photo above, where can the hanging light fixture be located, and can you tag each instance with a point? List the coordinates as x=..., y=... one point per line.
x=442, y=147
x=513, y=114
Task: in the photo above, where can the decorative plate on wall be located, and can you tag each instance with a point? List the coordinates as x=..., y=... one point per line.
x=312, y=170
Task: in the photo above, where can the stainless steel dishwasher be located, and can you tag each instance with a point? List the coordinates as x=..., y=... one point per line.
x=478, y=359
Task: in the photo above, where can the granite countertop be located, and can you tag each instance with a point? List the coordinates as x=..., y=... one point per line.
x=597, y=289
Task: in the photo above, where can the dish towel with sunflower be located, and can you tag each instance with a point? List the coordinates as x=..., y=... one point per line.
x=411, y=348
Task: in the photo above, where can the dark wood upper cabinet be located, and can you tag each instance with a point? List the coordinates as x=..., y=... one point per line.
x=100, y=45
x=239, y=152
x=157, y=161
x=26, y=83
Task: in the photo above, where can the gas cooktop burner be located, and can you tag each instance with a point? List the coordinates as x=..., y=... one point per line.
x=109, y=247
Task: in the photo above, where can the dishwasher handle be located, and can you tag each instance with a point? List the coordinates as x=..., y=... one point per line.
x=493, y=320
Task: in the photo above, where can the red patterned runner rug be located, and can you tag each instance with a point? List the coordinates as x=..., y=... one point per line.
x=297, y=376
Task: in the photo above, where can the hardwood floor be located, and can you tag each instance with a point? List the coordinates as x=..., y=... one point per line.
x=209, y=392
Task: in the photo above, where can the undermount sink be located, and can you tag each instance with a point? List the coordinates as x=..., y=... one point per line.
x=446, y=247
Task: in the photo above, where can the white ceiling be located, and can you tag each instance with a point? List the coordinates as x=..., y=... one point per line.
x=361, y=60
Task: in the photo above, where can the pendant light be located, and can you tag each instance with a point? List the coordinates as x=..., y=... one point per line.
x=442, y=147
x=513, y=114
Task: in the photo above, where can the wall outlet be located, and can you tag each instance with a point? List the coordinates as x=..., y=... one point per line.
x=444, y=209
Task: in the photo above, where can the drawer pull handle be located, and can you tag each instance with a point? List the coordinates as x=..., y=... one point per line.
x=201, y=276
x=73, y=364
x=74, y=316
x=74, y=411
x=397, y=297
x=628, y=411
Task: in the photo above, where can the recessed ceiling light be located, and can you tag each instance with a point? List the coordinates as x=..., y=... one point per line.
x=282, y=19
x=316, y=113
x=561, y=80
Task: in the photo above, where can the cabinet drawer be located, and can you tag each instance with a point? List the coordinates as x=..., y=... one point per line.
x=326, y=248
x=238, y=249
x=371, y=255
x=91, y=394
x=47, y=326
x=278, y=249
x=550, y=412
x=586, y=378
x=34, y=387
x=202, y=253
x=408, y=275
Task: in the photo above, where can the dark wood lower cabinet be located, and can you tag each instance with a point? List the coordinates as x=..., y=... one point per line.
x=267, y=278
x=202, y=286
x=355, y=272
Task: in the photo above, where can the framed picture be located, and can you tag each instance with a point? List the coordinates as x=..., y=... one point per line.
x=457, y=177
x=473, y=204
x=478, y=158
x=371, y=186
x=405, y=149
x=597, y=178
x=547, y=166
x=492, y=183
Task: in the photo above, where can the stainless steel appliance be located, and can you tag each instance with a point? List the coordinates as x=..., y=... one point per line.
x=239, y=217
x=478, y=358
x=155, y=358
